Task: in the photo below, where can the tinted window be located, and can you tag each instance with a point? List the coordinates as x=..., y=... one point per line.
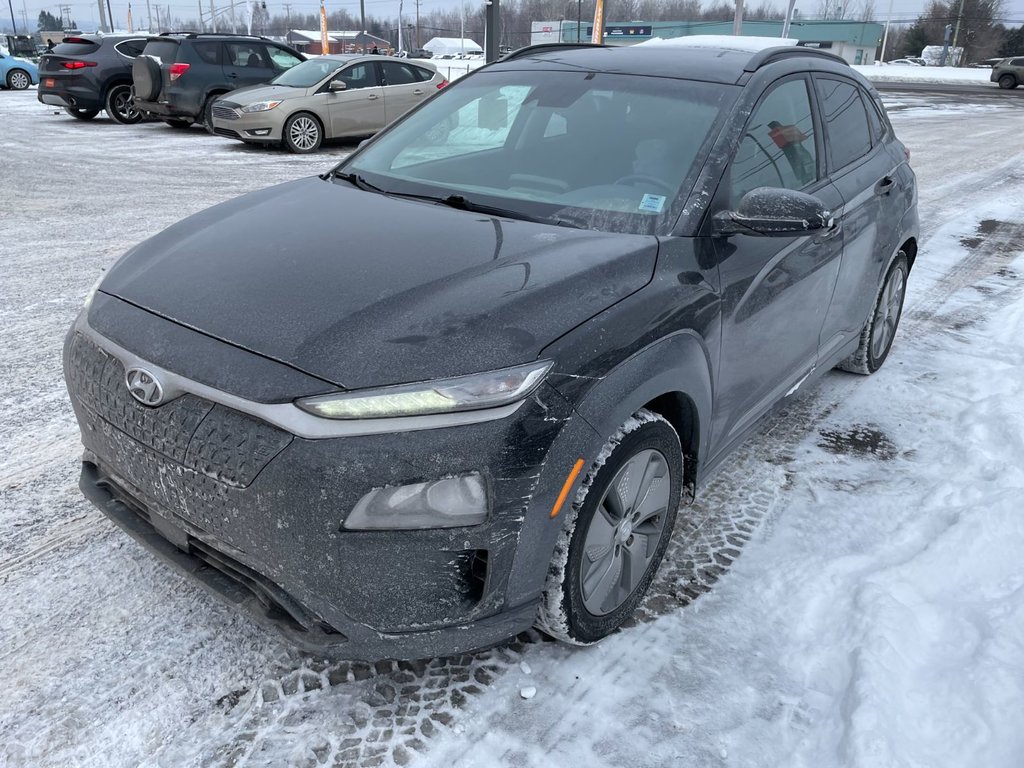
x=875, y=119
x=246, y=55
x=208, y=52
x=282, y=59
x=130, y=48
x=399, y=74
x=777, y=149
x=164, y=50
x=1017, y=63
x=358, y=76
x=80, y=48
x=846, y=121
x=422, y=74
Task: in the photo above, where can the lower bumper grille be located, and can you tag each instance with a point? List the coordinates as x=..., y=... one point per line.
x=227, y=133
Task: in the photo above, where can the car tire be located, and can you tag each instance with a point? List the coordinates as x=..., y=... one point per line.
x=877, y=337
x=614, y=540
x=81, y=114
x=18, y=80
x=302, y=133
x=147, y=78
x=120, y=105
x=177, y=123
x=207, y=113
x=1007, y=82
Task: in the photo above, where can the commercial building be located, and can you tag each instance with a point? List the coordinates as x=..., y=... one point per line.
x=308, y=41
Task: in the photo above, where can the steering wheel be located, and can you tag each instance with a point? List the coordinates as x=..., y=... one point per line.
x=633, y=178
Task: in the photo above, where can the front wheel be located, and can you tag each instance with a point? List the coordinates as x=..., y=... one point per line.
x=121, y=106
x=18, y=80
x=1007, y=81
x=877, y=337
x=614, y=541
x=302, y=133
x=81, y=114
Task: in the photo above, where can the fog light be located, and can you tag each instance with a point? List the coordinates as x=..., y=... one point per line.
x=260, y=131
x=448, y=503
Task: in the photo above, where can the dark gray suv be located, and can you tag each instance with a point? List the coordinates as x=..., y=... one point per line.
x=459, y=385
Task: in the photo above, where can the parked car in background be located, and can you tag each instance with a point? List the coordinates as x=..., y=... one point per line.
x=87, y=73
x=420, y=53
x=16, y=73
x=460, y=384
x=1009, y=73
x=328, y=97
x=180, y=75
x=987, y=63
x=906, y=63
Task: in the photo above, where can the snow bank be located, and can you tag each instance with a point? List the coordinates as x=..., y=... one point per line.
x=936, y=75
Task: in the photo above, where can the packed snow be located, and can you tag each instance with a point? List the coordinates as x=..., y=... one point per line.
x=849, y=591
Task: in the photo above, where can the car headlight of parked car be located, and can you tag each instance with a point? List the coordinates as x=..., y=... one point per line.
x=463, y=393
x=260, y=106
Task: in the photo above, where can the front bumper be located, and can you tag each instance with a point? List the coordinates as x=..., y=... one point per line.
x=256, y=514
x=259, y=127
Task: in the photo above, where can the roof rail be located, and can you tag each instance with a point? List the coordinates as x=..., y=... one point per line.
x=192, y=35
x=541, y=47
x=778, y=53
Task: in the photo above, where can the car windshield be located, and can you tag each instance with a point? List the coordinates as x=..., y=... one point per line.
x=602, y=151
x=308, y=73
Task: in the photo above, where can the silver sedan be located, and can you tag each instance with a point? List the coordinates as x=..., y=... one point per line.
x=327, y=97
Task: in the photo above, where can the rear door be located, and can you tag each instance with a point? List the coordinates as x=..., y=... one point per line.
x=246, y=62
x=866, y=173
x=359, y=109
x=404, y=88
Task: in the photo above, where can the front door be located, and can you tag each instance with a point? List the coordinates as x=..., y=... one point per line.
x=775, y=291
x=359, y=109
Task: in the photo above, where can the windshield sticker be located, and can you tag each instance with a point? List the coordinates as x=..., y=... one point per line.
x=652, y=203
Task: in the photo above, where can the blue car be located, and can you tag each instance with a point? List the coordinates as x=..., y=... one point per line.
x=16, y=74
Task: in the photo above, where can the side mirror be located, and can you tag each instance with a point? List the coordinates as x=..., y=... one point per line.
x=774, y=212
x=337, y=86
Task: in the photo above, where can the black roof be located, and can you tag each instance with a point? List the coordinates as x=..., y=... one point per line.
x=715, y=65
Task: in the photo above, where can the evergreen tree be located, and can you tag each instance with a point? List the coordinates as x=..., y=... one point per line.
x=48, y=22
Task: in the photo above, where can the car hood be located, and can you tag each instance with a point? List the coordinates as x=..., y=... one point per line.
x=254, y=93
x=362, y=290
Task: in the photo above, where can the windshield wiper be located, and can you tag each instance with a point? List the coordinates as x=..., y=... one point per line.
x=357, y=181
x=461, y=203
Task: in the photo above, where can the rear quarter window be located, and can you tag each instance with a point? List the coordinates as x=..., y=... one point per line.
x=164, y=50
x=423, y=74
x=130, y=48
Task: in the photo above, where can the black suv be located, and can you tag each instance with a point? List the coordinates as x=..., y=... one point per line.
x=180, y=75
x=88, y=73
x=460, y=384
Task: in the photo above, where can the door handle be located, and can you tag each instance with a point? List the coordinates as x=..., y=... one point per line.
x=884, y=187
x=418, y=91
x=232, y=74
x=829, y=233
x=372, y=96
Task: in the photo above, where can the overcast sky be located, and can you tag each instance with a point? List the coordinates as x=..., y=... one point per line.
x=86, y=14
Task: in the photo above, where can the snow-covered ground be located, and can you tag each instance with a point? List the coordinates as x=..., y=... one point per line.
x=901, y=73
x=867, y=606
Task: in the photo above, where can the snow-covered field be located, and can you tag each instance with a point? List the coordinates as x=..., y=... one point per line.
x=864, y=548
x=899, y=73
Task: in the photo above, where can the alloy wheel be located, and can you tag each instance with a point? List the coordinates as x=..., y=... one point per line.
x=887, y=313
x=124, y=105
x=304, y=133
x=624, y=533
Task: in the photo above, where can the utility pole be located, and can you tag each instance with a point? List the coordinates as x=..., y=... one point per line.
x=885, y=37
x=13, y=22
x=418, y=20
x=149, y=17
x=362, y=21
x=213, y=16
x=945, y=44
x=789, y=19
x=110, y=17
x=288, y=17
x=956, y=32
x=737, y=19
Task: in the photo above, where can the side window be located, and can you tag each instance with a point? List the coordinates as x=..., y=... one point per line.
x=282, y=59
x=130, y=48
x=1017, y=63
x=398, y=74
x=246, y=55
x=875, y=119
x=777, y=148
x=208, y=52
x=846, y=121
x=423, y=74
x=358, y=76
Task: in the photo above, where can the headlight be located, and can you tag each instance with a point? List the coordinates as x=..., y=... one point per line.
x=452, y=502
x=92, y=292
x=260, y=106
x=464, y=393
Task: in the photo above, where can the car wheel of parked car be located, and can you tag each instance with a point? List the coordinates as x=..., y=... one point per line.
x=610, y=549
x=877, y=336
x=18, y=80
x=207, y=113
x=1007, y=81
x=82, y=114
x=177, y=123
x=302, y=133
x=120, y=105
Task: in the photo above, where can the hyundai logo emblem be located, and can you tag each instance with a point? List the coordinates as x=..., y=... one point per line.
x=144, y=386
